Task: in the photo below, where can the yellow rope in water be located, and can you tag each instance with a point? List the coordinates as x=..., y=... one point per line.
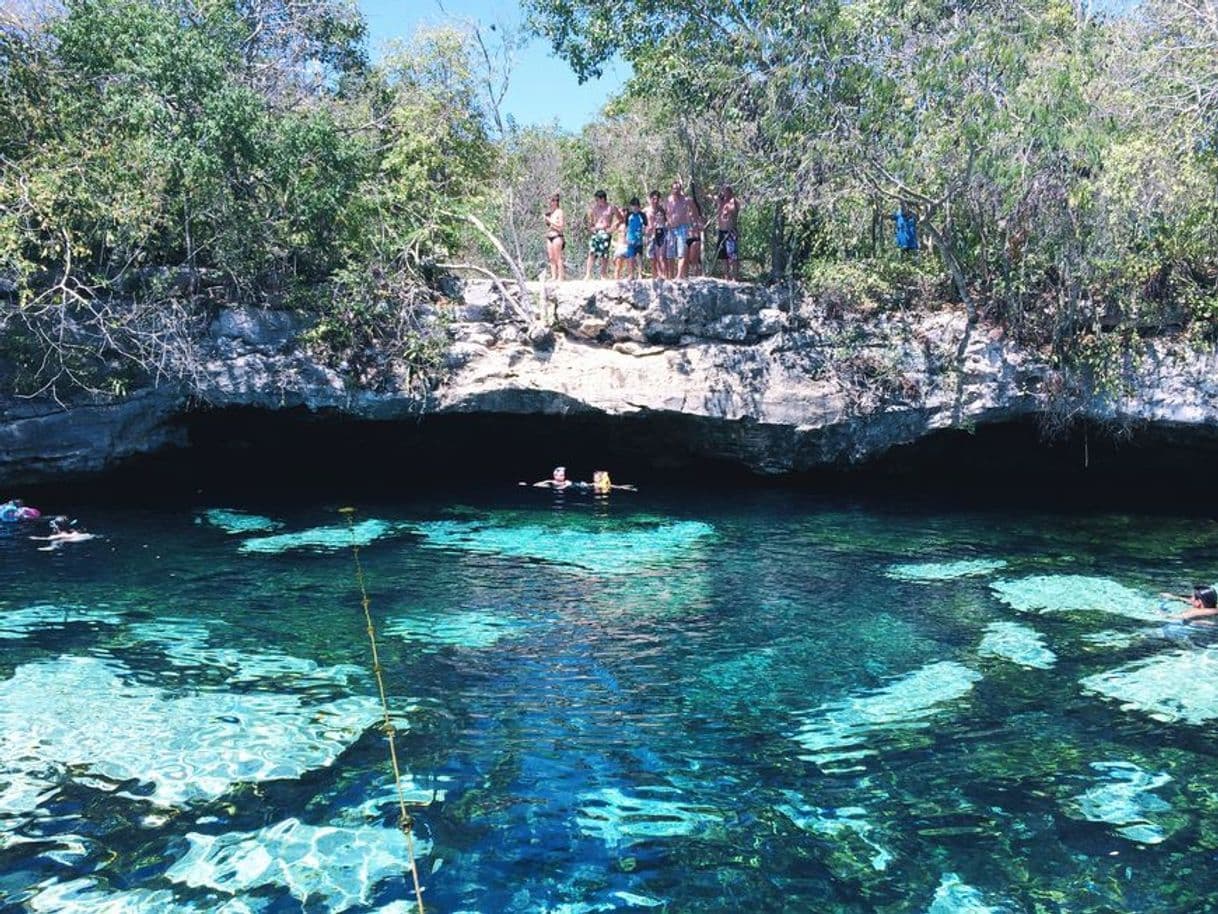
x=405, y=822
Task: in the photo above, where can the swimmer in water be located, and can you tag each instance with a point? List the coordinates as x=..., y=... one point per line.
x=558, y=480
x=1203, y=603
x=603, y=485
x=63, y=531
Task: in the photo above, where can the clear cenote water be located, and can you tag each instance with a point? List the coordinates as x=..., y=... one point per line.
x=669, y=702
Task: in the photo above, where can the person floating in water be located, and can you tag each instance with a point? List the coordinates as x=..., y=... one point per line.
x=16, y=510
x=558, y=480
x=1203, y=602
x=603, y=485
x=63, y=531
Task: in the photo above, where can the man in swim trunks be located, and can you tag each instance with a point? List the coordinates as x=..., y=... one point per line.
x=680, y=215
x=727, y=219
x=600, y=241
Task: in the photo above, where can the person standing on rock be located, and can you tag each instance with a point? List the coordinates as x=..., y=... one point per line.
x=727, y=219
x=677, y=236
x=555, y=240
x=600, y=240
x=693, y=243
x=657, y=219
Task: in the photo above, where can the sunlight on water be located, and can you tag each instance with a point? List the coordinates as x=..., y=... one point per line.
x=82, y=896
x=945, y=571
x=741, y=701
x=1017, y=643
x=851, y=728
x=338, y=866
x=231, y=520
x=19, y=623
x=470, y=629
x=833, y=823
x=322, y=538
x=1179, y=686
x=604, y=551
x=954, y=897
x=617, y=817
x=1050, y=593
x=80, y=711
x=1125, y=798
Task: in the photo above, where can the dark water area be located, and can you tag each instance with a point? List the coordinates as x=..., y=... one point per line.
x=710, y=698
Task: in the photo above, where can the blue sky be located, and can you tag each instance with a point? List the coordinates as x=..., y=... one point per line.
x=543, y=88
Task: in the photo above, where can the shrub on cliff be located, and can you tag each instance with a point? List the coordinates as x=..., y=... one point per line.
x=161, y=158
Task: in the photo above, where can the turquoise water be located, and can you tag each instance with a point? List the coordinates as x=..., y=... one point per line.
x=762, y=702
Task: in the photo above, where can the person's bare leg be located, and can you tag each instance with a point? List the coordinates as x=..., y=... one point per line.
x=588, y=269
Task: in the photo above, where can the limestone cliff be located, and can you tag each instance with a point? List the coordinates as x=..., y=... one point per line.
x=763, y=377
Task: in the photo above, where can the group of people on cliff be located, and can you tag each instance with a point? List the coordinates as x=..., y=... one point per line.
x=666, y=233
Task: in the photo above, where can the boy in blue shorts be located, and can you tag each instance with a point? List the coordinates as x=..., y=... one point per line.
x=636, y=224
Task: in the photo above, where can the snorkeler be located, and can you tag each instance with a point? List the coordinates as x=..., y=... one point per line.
x=1202, y=603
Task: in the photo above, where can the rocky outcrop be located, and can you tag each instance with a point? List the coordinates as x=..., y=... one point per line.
x=756, y=376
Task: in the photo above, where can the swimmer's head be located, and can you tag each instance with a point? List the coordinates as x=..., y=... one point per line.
x=560, y=474
x=600, y=481
x=1205, y=597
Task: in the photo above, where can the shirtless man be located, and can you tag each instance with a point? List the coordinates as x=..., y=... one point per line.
x=599, y=221
x=680, y=215
x=727, y=219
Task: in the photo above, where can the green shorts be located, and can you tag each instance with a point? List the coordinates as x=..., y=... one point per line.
x=599, y=244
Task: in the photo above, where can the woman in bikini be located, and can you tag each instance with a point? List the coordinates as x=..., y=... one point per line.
x=555, y=242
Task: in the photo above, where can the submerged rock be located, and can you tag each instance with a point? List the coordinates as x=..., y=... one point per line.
x=944, y=571
x=597, y=548
x=1125, y=798
x=473, y=629
x=1017, y=643
x=86, y=896
x=1180, y=686
x=230, y=520
x=21, y=623
x=339, y=866
x=337, y=537
x=835, y=823
x=955, y=897
x=617, y=817
x=850, y=728
x=1047, y=593
x=86, y=715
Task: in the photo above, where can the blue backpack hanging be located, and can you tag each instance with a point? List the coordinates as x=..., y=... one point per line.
x=907, y=230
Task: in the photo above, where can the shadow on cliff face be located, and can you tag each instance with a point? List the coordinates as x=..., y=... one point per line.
x=284, y=454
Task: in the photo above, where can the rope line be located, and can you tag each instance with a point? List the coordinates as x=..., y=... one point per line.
x=405, y=820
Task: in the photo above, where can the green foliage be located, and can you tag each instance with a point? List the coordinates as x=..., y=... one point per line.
x=1061, y=163
x=246, y=146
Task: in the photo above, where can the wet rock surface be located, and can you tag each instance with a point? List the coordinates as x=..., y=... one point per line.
x=755, y=376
